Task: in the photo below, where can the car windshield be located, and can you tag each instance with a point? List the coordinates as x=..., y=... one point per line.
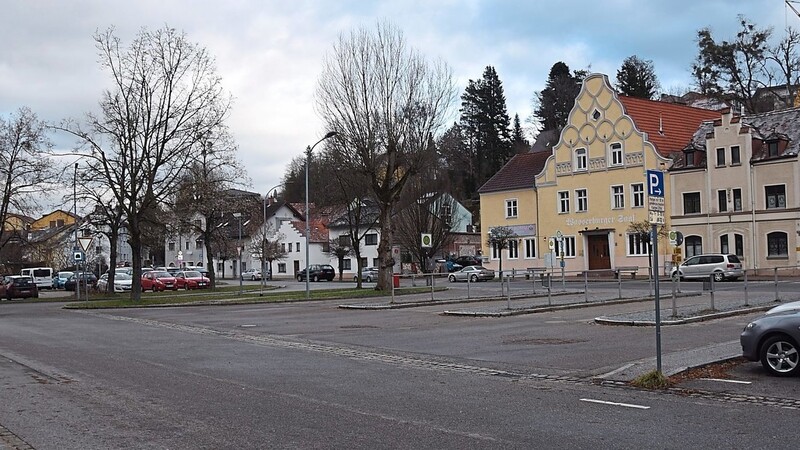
x=122, y=276
x=64, y=274
x=162, y=274
x=23, y=281
x=191, y=274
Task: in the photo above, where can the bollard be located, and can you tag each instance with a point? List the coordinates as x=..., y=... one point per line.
x=674, y=304
x=468, y=284
x=619, y=286
x=549, y=291
x=711, y=277
x=533, y=280
x=508, y=294
x=746, y=300
x=586, y=285
x=433, y=287
x=777, y=298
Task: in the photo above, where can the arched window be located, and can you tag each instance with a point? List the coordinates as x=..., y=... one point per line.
x=694, y=246
x=777, y=245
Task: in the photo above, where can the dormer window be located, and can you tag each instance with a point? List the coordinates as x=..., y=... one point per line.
x=690, y=158
x=596, y=115
x=772, y=148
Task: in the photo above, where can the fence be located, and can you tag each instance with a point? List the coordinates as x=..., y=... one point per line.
x=549, y=287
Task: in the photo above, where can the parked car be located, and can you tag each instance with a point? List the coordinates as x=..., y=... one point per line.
x=472, y=273
x=465, y=261
x=122, y=282
x=721, y=266
x=367, y=274
x=60, y=278
x=251, y=274
x=158, y=280
x=18, y=286
x=87, y=279
x=774, y=340
x=791, y=306
x=317, y=272
x=191, y=279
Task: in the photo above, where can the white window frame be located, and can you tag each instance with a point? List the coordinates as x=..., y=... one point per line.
x=513, y=249
x=563, y=202
x=581, y=160
x=530, y=248
x=635, y=246
x=495, y=251
x=512, y=210
x=618, y=198
x=581, y=201
x=568, y=242
x=637, y=195
x=614, y=153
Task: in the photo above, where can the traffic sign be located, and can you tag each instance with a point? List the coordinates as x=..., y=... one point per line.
x=551, y=243
x=84, y=242
x=675, y=237
x=657, y=218
x=655, y=183
x=427, y=240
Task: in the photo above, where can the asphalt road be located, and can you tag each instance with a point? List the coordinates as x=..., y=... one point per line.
x=311, y=375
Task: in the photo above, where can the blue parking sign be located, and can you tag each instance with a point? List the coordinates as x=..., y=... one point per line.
x=655, y=183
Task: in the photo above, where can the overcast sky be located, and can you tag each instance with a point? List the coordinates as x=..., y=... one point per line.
x=269, y=51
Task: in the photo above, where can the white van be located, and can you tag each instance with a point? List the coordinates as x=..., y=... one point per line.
x=42, y=276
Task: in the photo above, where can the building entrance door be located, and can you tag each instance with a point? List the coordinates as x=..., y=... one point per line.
x=599, y=256
x=296, y=268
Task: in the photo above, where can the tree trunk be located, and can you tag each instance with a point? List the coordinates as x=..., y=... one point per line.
x=210, y=264
x=135, y=241
x=385, y=249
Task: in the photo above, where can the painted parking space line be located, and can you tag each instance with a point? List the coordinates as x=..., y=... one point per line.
x=624, y=405
x=722, y=380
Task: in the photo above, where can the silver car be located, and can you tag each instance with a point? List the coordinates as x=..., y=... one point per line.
x=367, y=274
x=773, y=339
x=721, y=266
x=472, y=273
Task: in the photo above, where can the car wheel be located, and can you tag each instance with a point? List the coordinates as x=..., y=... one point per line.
x=186, y=286
x=355, y=279
x=719, y=276
x=779, y=355
x=315, y=278
x=299, y=278
x=452, y=278
x=676, y=277
x=473, y=278
x=369, y=279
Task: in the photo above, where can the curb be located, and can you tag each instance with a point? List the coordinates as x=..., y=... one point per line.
x=647, y=323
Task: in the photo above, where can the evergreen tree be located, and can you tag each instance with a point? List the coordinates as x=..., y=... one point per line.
x=486, y=127
x=553, y=104
x=637, y=78
x=519, y=143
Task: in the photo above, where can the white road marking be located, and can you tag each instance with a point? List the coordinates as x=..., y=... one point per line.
x=247, y=325
x=603, y=402
x=616, y=371
x=721, y=380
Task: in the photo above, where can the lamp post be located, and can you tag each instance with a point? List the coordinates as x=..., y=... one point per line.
x=75, y=245
x=309, y=149
x=239, y=251
x=264, y=240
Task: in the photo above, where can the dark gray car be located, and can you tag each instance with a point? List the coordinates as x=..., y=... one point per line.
x=773, y=339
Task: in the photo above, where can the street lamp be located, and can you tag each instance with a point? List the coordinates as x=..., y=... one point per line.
x=239, y=250
x=75, y=245
x=309, y=149
x=264, y=240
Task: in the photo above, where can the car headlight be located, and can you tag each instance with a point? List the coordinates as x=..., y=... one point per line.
x=750, y=326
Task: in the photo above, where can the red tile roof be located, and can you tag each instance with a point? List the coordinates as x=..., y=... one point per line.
x=668, y=126
x=518, y=173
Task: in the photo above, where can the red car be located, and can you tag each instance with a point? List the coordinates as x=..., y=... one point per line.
x=18, y=286
x=158, y=280
x=191, y=279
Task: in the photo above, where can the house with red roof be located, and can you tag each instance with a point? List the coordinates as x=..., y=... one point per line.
x=573, y=207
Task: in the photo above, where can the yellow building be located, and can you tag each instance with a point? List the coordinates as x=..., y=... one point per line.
x=55, y=219
x=591, y=187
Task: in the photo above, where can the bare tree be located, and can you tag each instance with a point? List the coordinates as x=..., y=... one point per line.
x=24, y=166
x=165, y=99
x=500, y=239
x=425, y=209
x=387, y=103
x=205, y=190
x=340, y=249
x=265, y=243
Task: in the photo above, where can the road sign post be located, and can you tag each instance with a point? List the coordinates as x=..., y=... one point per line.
x=655, y=200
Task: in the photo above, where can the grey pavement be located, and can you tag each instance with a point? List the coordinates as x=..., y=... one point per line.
x=692, y=304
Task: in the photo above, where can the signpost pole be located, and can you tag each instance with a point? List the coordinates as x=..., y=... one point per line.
x=655, y=197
